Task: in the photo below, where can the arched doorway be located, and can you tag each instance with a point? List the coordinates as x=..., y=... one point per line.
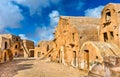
x=16, y=46
x=6, y=45
x=86, y=57
x=74, y=58
x=15, y=53
x=39, y=54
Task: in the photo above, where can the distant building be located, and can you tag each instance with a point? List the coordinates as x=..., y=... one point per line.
x=13, y=46
x=43, y=48
x=27, y=47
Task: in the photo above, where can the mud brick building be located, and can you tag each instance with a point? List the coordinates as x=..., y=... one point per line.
x=27, y=47
x=106, y=50
x=110, y=24
x=43, y=48
x=13, y=46
x=92, y=52
x=70, y=34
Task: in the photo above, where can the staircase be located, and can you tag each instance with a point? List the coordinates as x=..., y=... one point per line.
x=25, y=49
x=49, y=52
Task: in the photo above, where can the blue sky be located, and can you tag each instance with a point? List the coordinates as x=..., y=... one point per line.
x=36, y=19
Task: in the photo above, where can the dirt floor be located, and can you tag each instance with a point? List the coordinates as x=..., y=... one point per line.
x=37, y=68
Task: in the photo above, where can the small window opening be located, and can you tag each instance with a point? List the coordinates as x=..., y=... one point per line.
x=16, y=39
x=42, y=53
x=38, y=45
x=111, y=35
x=81, y=37
x=96, y=57
x=47, y=47
x=108, y=16
x=73, y=36
x=72, y=45
x=16, y=47
x=49, y=55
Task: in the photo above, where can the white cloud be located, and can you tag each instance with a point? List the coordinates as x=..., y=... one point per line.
x=10, y=15
x=94, y=12
x=23, y=36
x=46, y=33
x=54, y=18
x=36, y=6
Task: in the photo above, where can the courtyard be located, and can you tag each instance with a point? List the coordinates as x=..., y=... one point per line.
x=37, y=68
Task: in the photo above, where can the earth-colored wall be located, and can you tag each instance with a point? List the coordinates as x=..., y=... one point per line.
x=70, y=34
x=110, y=24
x=43, y=48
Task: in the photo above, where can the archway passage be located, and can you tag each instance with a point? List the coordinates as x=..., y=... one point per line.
x=31, y=53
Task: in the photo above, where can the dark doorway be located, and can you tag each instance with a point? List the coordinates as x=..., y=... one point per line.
x=31, y=53
x=15, y=53
x=59, y=57
x=105, y=37
x=86, y=57
x=39, y=53
x=5, y=57
x=16, y=46
x=111, y=35
x=74, y=58
x=6, y=45
x=47, y=47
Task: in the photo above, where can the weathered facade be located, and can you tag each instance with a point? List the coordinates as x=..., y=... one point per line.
x=13, y=46
x=106, y=52
x=27, y=47
x=110, y=24
x=70, y=34
x=43, y=48
x=12, y=42
x=71, y=46
x=95, y=52
x=90, y=44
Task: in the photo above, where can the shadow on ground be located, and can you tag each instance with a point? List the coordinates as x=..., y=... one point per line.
x=10, y=69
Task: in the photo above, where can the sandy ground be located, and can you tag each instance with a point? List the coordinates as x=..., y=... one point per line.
x=37, y=68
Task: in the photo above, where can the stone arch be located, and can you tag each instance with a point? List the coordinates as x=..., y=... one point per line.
x=93, y=53
x=7, y=55
x=16, y=46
